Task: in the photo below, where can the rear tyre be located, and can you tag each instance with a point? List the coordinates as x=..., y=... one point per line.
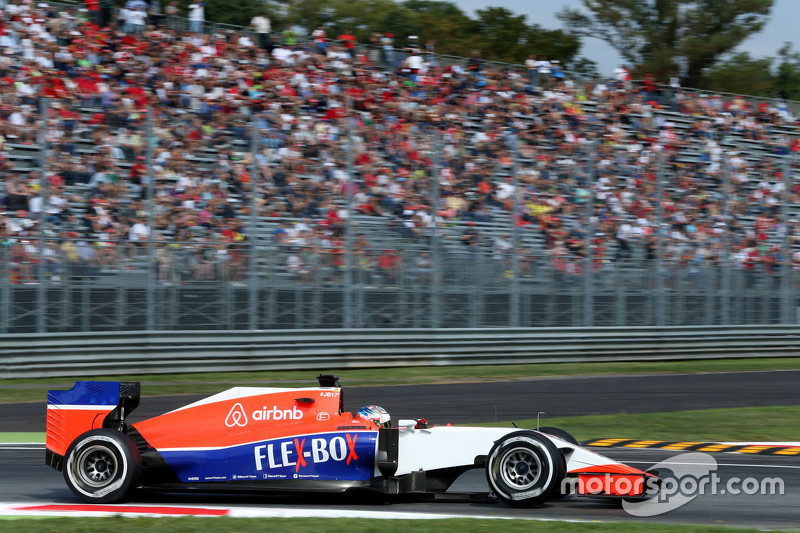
x=524, y=468
x=102, y=466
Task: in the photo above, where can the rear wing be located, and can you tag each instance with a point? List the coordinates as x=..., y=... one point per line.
x=87, y=405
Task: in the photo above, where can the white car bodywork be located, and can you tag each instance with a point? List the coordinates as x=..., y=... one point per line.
x=450, y=446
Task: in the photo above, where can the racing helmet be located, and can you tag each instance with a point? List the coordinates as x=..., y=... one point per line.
x=376, y=414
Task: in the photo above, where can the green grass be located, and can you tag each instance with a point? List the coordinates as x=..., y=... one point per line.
x=24, y=390
x=317, y=525
x=18, y=437
x=750, y=424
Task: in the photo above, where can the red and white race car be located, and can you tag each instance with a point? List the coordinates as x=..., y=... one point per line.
x=290, y=440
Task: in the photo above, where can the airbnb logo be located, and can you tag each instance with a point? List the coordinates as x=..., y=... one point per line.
x=236, y=416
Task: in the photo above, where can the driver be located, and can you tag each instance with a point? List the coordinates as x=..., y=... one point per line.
x=377, y=415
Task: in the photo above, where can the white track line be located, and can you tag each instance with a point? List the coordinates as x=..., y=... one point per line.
x=788, y=467
x=792, y=444
x=13, y=509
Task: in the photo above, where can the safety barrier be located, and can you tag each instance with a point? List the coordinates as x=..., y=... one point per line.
x=114, y=353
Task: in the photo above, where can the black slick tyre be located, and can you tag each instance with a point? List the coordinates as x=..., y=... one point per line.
x=524, y=468
x=102, y=466
x=560, y=433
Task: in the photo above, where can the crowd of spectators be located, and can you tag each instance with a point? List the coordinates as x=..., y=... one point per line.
x=404, y=121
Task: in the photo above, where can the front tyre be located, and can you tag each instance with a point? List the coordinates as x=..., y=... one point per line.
x=560, y=433
x=524, y=468
x=102, y=466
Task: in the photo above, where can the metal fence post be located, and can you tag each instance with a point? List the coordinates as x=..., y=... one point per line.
x=514, y=318
x=788, y=288
x=348, y=229
x=5, y=289
x=151, y=262
x=622, y=297
x=786, y=248
x=659, y=233
x=588, y=282
x=252, y=292
x=725, y=259
x=436, y=256
x=41, y=292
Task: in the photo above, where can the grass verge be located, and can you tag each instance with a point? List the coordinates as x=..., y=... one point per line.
x=18, y=437
x=24, y=390
x=749, y=424
x=315, y=525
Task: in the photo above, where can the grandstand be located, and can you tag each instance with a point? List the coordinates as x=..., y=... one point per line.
x=381, y=192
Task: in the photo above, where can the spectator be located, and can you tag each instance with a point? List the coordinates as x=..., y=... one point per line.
x=155, y=13
x=122, y=18
x=17, y=194
x=135, y=18
x=290, y=37
x=165, y=262
x=93, y=6
x=389, y=266
x=171, y=12
x=544, y=69
x=319, y=40
x=414, y=62
x=387, y=48
x=430, y=51
x=106, y=11
x=348, y=40
x=201, y=262
x=298, y=267
x=471, y=238
x=475, y=63
x=423, y=267
x=263, y=27
x=532, y=66
x=197, y=16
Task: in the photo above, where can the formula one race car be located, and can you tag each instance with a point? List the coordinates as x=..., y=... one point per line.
x=290, y=440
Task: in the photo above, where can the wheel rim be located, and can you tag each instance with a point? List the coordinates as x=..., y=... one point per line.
x=520, y=468
x=96, y=466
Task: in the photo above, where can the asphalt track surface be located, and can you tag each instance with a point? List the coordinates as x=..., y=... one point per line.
x=517, y=400
x=26, y=478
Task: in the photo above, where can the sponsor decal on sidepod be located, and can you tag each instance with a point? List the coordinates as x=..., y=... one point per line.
x=344, y=456
x=238, y=417
x=321, y=451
